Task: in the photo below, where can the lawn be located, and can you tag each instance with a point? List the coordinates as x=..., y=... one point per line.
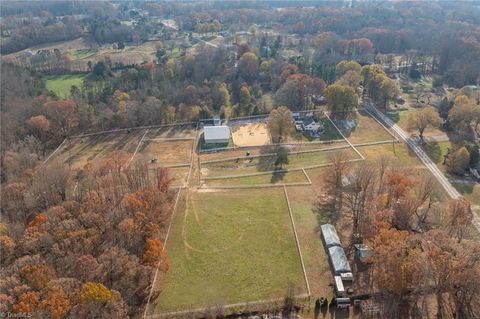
x=469, y=191
x=61, y=84
x=367, y=130
x=330, y=133
x=308, y=218
x=229, y=247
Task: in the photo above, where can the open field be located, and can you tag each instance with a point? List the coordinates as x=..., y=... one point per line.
x=179, y=174
x=82, y=54
x=367, y=130
x=279, y=177
x=61, y=84
x=77, y=44
x=307, y=220
x=229, y=247
x=167, y=152
x=266, y=163
x=163, y=146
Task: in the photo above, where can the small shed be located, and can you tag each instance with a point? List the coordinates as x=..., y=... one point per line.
x=343, y=303
x=330, y=235
x=216, y=134
x=217, y=121
x=339, y=260
x=339, y=289
x=362, y=252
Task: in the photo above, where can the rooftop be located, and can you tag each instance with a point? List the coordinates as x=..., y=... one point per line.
x=221, y=132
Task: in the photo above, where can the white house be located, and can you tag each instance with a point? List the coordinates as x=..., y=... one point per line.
x=216, y=134
x=311, y=125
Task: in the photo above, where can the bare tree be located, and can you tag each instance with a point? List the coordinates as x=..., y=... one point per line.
x=360, y=193
x=334, y=179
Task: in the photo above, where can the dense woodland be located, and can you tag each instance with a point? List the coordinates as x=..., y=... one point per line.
x=96, y=253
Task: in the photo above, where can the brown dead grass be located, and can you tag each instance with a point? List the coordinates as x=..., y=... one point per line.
x=176, y=132
x=79, y=151
x=166, y=152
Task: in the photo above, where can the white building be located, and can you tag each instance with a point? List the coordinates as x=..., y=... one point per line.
x=216, y=134
x=311, y=125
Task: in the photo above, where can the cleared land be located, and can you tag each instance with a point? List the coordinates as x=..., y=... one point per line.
x=229, y=247
x=167, y=152
x=180, y=175
x=181, y=131
x=251, y=134
x=62, y=84
x=79, y=151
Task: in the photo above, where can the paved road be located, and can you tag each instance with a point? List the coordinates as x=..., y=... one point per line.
x=451, y=191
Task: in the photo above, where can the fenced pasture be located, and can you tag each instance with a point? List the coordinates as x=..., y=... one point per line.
x=169, y=146
x=78, y=151
x=366, y=130
x=229, y=247
x=166, y=153
x=266, y=162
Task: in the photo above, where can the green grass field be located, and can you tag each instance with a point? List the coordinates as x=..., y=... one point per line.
x=61, y=84
x=273, y=178
x=266, y=163
x=82, y=54
x=229, y=247
x=367, y=130
x=470, y=191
